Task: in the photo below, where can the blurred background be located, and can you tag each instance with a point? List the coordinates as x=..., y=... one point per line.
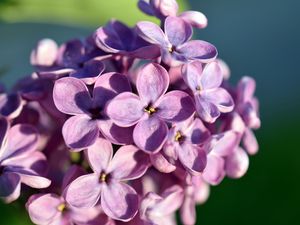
x=257, y=38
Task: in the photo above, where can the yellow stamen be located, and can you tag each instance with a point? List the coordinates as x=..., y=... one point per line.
x=150, y=110
x=178, y=136
x=61, y=207
x=198, y=88
x=103, y=177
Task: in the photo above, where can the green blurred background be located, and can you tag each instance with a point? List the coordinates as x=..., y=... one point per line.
x=260, y=38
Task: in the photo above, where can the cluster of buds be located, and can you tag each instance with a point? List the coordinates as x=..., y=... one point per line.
x=127, y=126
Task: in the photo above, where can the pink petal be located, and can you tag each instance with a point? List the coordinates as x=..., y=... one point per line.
x=237, y=163
x=125, y=110
x=160, y=163
x=220, y=98
x=165, y=7
x=188, y=208
x=45, y=53
x=177, y=30
x=192, y=157
x=152, y=82
x=214, y=172
x=129, y=163
x=150, y=134
x=107, y=86
x=191, y=73
x=246, y=88
x=175, y=106
x=42, y=208
x=84, y=192
x=197, y=132
x=194, y=18
x=223, y=144
x=100, y=155
x=10, y=186
x=80, y=131
x=200, y=50
x=212, y=76
x=21, y=139
x=71, y=96
x=152, y=33
x=206, y=110
x=250, y=142
x=119, y=201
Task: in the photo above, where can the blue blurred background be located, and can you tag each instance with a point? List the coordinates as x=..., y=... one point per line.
x=257, y=38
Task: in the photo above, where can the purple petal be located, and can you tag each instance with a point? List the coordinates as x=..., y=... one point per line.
x=119, y=201
x=223, y=144
x=125, y=110
x=115, y=134
x=71, y=96
x=152, y=33
x=191, y=74
x=10, y=186
x=212, y=76
x=10, y=105
x=246, y=88
x=197, y=132
x=71, y=53
x=90, y=71
x=129, y=163
x=100, y=155
x=237, y=163
x=165, y=7
x=20, y=139
x=220, y=98
x=43, y=208
x=71, y=174
x=150, y=134
x=146, y=52
x=206, y=110
x=175, y=106
x=107, y=86
x=152, y=82
x=4, y=126
x=197, y=49
x=145, y=7
x=177, y=30
x=192, y=157
x=84, y=192
x=44, y=54
x=31, y=178
x=80, y=131
x=214, y=172
x=188, y=208
x=194, y=18
x=249, y=142
x=160, y=163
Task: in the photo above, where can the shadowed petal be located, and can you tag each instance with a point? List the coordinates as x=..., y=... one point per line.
x=177, y=30
x=197, y=49
x=84, y=192
x=71, y=96
x=119, y=201
x=212, y=76
x=100, y=155
x=90, y=71
x=4, y=126
x=191, y=74
x=192, y=157
x=237, y=163
x=214, y=172
x=194, y=18
x=107, y=86
x=223, y=144
x=115, y=134
x=80, y=131
x=125, y=110
x=20, y=139
x=150, y=134
x=43, y=208
x=175, y=106
x=197, y=132
x=220, y=98
x=152, y=33
x=10, y=105
x=10, y=186
x=206, y=110
x=129, y=163
x=152, y=82
x=246, y=88
x=160, y=163
x=71, y=174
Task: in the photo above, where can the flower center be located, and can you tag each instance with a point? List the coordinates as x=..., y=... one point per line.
x=172, y=49
x=150, y=110
x=103, y=177
x=95, y=113
x=179, y=137
x=198, y=88
x=61, y=207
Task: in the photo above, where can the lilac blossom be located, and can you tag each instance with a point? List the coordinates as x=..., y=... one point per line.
x=72, y=97
x=151, y=109
x=107, y=182
x=19, y=160
x=210, y=98
x=174, y=41
x=51, y=208
x=10, y=105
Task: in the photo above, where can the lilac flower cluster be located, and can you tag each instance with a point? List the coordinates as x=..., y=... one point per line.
x=127, y=126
